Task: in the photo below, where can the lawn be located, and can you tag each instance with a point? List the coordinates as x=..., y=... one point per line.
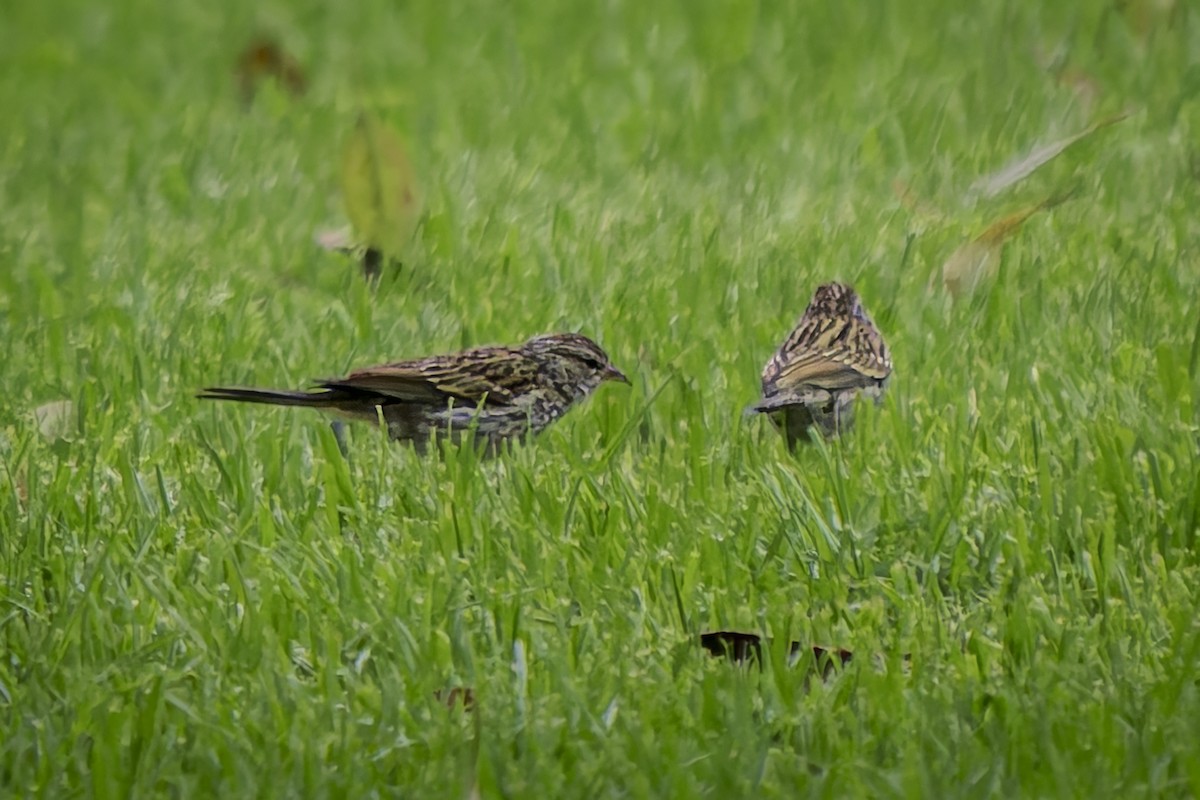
x=202, y=599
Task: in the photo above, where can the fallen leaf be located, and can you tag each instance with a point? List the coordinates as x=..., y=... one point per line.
x=55, y=420
x=977, y=259
x=1018, y=170
x=379, y=188
x=262, y=59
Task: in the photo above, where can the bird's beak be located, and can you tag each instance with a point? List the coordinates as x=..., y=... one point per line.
x=611, y=373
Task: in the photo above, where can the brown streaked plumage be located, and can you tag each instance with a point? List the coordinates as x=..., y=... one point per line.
x=834, y=354
x=502, y=392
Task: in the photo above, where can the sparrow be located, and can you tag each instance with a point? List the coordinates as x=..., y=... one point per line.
x=502, y=393
x=834, y=354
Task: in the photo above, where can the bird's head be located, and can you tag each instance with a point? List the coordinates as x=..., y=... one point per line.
x=573, y=362
x=836, y=300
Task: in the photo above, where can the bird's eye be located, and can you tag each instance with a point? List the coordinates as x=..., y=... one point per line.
x=592, y=363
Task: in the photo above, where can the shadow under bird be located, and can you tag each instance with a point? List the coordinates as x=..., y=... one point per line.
x=501, y=393
x=834, y=354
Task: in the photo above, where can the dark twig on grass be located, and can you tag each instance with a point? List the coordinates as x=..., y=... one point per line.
x=372, y=264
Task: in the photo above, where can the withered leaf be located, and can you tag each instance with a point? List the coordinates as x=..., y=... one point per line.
x=263, y=59
x=976, y=260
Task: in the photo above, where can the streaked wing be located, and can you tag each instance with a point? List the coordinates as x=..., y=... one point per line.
x=497, y=373
x=829, y=353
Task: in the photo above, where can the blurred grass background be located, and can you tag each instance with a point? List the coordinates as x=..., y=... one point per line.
x=201, y=600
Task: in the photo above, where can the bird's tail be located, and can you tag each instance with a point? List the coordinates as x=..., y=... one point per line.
x=769, y=404
x=274, y=397
x=809, y=398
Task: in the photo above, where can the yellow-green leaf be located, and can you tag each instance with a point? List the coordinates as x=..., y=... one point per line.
x=380, y=187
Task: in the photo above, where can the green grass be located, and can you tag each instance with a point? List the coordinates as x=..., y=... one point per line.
x=208, y=600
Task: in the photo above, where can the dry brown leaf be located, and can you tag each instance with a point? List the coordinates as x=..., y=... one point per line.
x=263, y=59
x=976, y=260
